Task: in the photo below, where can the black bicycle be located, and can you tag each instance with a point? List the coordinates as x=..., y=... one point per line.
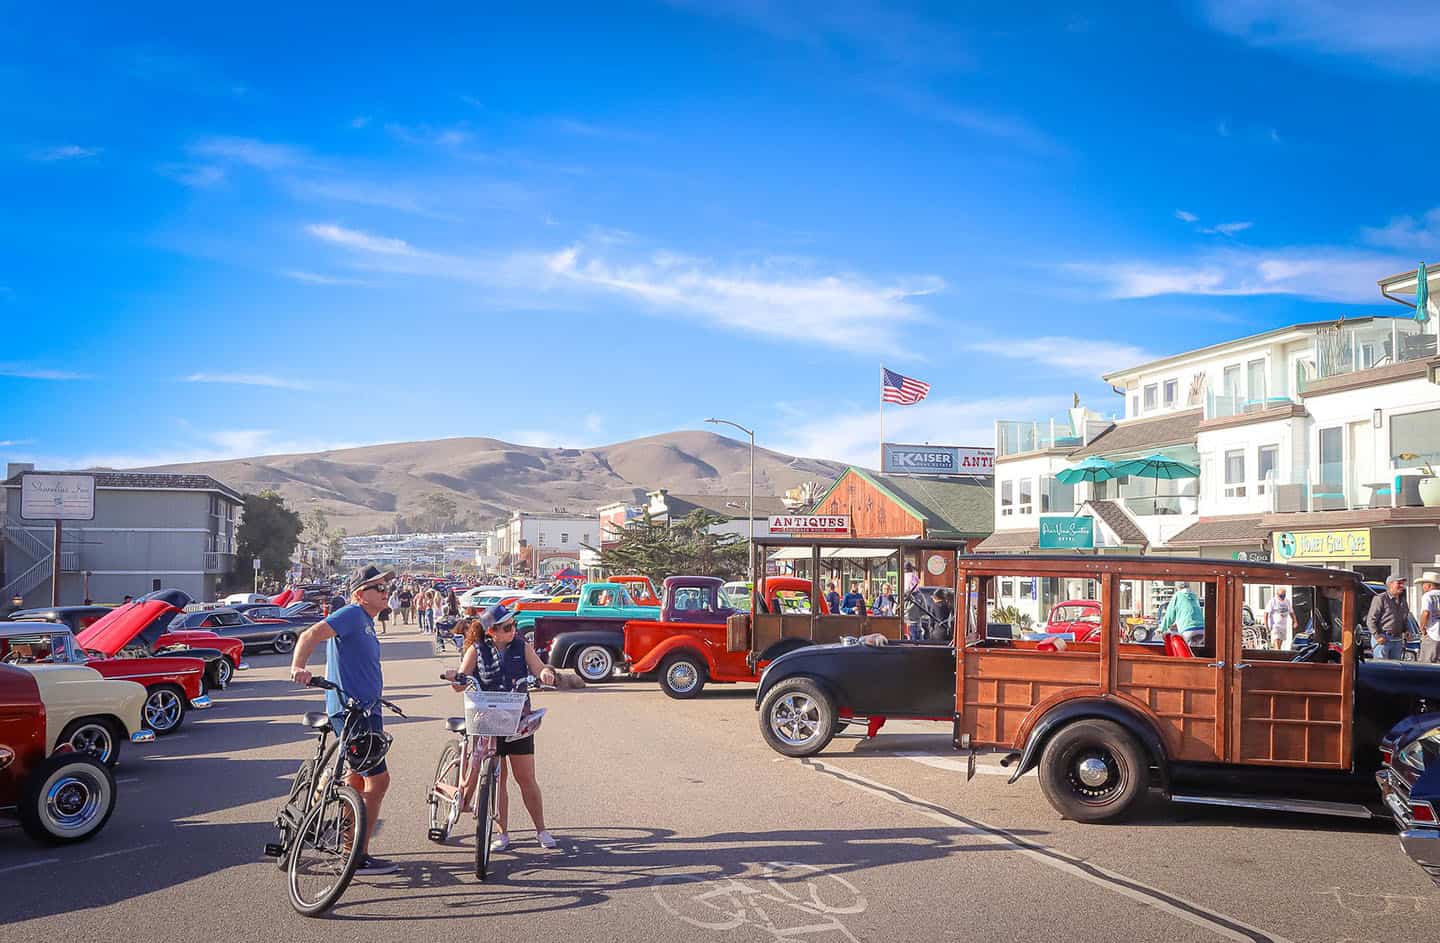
x=322, y=822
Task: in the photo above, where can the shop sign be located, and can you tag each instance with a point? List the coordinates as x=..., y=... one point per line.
x=1251, y=556
x=1320, y=545
x=835, y=525
x=936, y=460
x=57, y=497
x=1063, y=532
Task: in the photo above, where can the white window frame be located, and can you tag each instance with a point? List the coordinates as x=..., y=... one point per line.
x=1021, y=504
x=1007, y=497
x=1233, y=489
x=1260, y=482
x=1152, y=397
x=1251, y=393
x=1170, y=394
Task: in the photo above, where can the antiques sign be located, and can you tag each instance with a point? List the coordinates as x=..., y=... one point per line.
x=834, y=525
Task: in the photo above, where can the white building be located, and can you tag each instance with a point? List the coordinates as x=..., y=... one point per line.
x=543, y=542
x=1315, y=443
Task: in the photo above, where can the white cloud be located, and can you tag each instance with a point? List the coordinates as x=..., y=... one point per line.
x=853, y=436
x=1185, y=217
x=1335, y=274
x=1227, y=229
x=248, y=379
x=220, y=445
x=1074, y=354
x=428, y=135
x=197, y=176
x=359, y=121
x=23, y=371
x=1399, y=35
x=355, y=239
x=1406, y=232
x=261, y=155
x=589, y=129
x=315, y=278
x=66, y=152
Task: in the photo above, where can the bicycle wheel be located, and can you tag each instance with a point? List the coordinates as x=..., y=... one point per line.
x=327, y=850
x=445, y=809
x=295, y=807
x=485, y=817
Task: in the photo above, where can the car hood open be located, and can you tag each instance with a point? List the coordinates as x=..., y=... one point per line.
x=149, y=616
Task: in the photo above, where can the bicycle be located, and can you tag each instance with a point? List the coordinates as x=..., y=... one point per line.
x=468, y=766
x=322, y=822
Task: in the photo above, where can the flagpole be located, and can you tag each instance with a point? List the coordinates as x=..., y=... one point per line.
x=881, y=467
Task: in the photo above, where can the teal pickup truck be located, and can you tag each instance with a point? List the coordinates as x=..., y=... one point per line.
x=585, y=640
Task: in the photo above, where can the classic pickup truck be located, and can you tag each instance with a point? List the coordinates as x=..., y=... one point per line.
x=688, y=646
x=639, y=589
x=591, y=640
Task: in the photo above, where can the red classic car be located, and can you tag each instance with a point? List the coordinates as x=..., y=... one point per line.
x=1074, y=619
x=60, y=798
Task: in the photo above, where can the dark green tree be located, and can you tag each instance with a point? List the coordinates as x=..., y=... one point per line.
x=685, y=547
x=269, y=530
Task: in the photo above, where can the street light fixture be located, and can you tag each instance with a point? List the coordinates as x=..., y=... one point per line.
x=751, y=509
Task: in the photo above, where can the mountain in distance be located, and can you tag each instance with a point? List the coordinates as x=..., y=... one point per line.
x=363, y=489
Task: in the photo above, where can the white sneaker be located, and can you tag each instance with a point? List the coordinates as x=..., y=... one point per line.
x=501, y=843
x=546, y=840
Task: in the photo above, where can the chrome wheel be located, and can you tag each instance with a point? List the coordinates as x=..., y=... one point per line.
x=94, y=738
x=283, y=643
x=682, y=677
x=74, y=799
x=795, y=719
x=595, y=663
x=224, y=671
x=163, y=710
x=1096, y=775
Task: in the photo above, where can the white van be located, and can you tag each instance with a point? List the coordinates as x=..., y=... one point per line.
x=240, y=599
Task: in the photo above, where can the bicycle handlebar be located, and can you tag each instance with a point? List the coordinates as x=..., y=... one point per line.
x=325, y=685
x=531, y=682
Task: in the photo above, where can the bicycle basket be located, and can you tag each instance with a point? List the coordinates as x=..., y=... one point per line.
x=494, y=713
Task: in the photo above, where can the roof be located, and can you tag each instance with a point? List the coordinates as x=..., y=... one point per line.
x=1201, y=351
x=949, y=506
x=1222, y=530
x=141, y=481
x=731, y=505
x=1121, y=524
x=1009, y=541
x=1144, y=435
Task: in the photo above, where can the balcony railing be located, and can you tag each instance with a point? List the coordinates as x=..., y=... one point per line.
x=1223, y=406
x=219, y=562
x=1162, y=504
x=1015, y=437
x=1378, y=343
x=1331, y=489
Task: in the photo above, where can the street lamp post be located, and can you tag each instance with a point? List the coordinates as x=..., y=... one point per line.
x=751, y=509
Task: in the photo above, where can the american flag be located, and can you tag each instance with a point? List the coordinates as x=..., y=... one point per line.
x=906, y=391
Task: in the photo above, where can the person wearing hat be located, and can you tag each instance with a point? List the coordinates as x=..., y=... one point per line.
x=1388, y=620
x=500, y=656
x=1430, y=617
x=352, y=660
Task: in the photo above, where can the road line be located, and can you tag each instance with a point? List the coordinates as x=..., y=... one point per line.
x=952, y=764
x=123, y=851
x=1222, y=925
x=29, y=864
x=129, y=779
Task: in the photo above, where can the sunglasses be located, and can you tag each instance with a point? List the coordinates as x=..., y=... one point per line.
x=380, y=589
x=507, y=629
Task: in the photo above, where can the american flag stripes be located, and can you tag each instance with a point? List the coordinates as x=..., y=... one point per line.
x=906, y=391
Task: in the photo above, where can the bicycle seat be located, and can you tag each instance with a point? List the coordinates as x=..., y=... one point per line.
x=316, y=719
x=455, y=724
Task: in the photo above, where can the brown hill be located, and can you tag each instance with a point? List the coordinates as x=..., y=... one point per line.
x=363, y=489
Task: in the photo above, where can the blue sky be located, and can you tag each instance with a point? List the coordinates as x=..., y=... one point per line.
x=292, y=227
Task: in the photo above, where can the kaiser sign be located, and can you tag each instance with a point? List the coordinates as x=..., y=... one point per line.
x=835, y=525
x=937, y=460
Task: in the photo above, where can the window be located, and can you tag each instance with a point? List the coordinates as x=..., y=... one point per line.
x=1332, y=458
x=1255, y=378
x=1230, y=382
x=1172, y=393
x=1007, y=498
x=564, y=537
x=1267, y=466
x=1135, y=404
x=1235, y=474
x=1027, y=496
x=1150, y=396
x=1007, y=588
x=1055, y=497
x=1415, y=434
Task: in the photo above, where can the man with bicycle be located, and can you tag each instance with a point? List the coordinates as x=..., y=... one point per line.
x=352, y=660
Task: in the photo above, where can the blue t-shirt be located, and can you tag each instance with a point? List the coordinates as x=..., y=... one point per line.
x=352, y=658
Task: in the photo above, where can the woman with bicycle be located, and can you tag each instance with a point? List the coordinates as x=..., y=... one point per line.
x=499, y=656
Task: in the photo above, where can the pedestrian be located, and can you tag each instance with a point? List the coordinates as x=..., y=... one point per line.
x=352, y=661
x=832, y=598
x=1388, y=621
x=854, y=602
x=423, y=604
x=912, y=578
x=1280, y=620
x=501, y=656
x=1184, y=615
x=1430, y=617
x=885, y=601
x=407, y=597
x=438, y=624
x=944, y=628
x=385, y=616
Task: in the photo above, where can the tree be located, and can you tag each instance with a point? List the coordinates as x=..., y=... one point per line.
x=685, y=547
x=437, y=514
x=317, y=538
x=269, y=530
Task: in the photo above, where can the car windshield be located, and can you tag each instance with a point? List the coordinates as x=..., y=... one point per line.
x=1075, y=614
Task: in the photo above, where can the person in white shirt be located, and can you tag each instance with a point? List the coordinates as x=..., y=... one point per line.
x=1430, y=617
x=1280, y=619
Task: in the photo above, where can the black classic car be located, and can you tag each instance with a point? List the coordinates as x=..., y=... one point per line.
x=277, y=636
x=1410, y=785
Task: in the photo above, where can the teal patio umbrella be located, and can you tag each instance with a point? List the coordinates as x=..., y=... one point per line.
x=1422, y=295
x=1091, y=470
x=1156, y=466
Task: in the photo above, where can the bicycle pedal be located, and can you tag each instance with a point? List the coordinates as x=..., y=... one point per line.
x=273, y=850
x=436, y=834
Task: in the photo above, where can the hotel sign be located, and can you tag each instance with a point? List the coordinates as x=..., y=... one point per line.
x=1063, y=532
x=57, y=497
x=936, y=460
x=1318, y=546
x=832, y=525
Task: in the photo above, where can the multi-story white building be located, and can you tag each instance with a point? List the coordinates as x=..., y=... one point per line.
x=1315, y=443
x=544, y=542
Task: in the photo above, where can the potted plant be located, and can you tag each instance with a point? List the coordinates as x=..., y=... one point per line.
x=1429, y=484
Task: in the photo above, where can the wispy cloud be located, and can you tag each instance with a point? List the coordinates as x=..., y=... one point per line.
x=590, y=129
x=360, y=121
x=22, y=371
x=195, y=176
x=66, y=152
x=1407, y=232
x=1227, y=229
x=315, y=278
x=248, y=379
x=261, y=155
x=1073, y=354
x=12, y=443
x=1185, y=217
x=925, y=103
x=451, y=137
x=363, y=241
x=1335, y=274
x=1398, y=36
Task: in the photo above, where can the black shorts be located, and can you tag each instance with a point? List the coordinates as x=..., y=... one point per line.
x=522, y=747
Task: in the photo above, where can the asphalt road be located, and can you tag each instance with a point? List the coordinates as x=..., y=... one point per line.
x=676, y=822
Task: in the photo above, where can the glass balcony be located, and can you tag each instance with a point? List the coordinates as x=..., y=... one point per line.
x=1348, y=348
x=1221, y=406
x=1015, y=437
x=1330, y=486
x=1153, y=505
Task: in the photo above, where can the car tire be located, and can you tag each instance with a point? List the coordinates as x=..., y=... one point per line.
x=595, y=664
x=95, y=737
x=67, y=798
x=164, y=709
x=1094, y=771
x=798, y=717
x=224, y=673
x=682, y=676
x=284, y=643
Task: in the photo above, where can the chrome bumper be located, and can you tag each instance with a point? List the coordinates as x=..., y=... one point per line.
x=201, y=702
x=143, y=736
x=1423, y=847
x=243, y=666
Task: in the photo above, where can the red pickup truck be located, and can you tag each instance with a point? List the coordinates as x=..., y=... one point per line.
x=687, y=647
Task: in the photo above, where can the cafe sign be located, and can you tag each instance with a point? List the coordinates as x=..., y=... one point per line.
x=1318, y=546
x=1063, y=532
x=826, y=525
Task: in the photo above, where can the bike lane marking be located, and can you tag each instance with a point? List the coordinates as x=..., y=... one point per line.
x=1221, y=924
x=28, y=864
x=123, y=851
